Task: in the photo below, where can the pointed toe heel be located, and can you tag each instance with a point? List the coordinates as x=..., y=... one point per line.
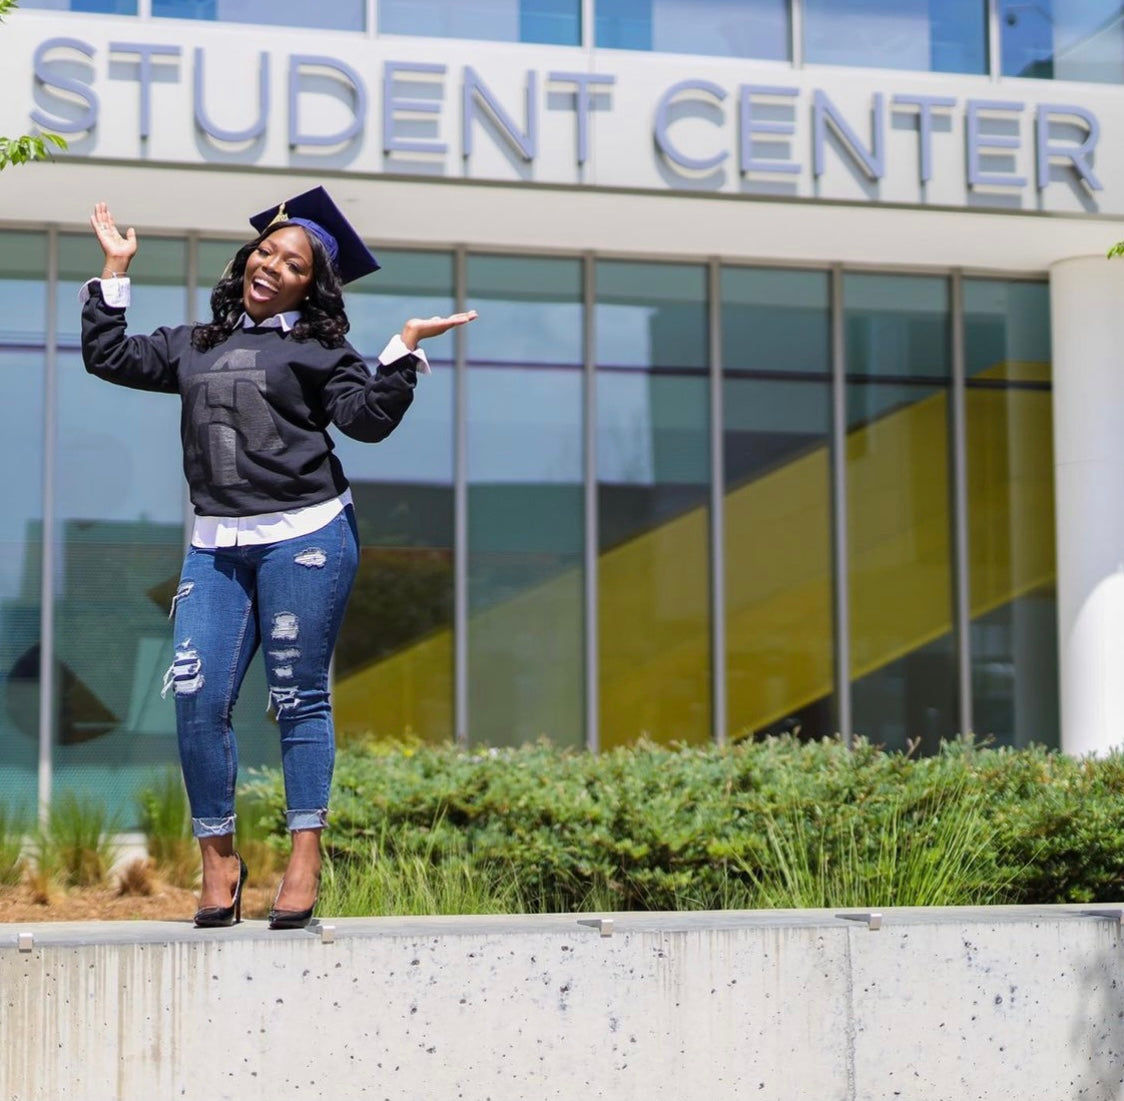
x=220, y=917
x=290, y=919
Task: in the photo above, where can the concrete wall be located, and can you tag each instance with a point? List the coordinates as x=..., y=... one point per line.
x=1020, y=1004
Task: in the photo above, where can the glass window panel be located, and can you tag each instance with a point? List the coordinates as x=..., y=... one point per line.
x=899, y=544
x=653, y=502
x=23, y=259
x=397, y=678
x=721, y=28
x=119, y=541
x=100, y=7
x=21, y=532
x=525, y=505
x=340, y=15
x=530, y=311
x=549, y=21
x=773, y=321
x=1014, y=645
x=776, y=347
x=943, y=36
x=651, y=316
x=22, y=265
x=1076, y=40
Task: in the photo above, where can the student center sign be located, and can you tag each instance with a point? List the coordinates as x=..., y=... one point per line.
x=737, y=129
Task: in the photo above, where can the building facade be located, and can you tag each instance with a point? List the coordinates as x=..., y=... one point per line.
x=789, y=408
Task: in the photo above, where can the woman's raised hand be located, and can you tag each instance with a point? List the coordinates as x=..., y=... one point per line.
x=119, y=250
x=418, y=329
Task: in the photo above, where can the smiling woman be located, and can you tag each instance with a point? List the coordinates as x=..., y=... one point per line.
x=278, y=273
x=274, y=547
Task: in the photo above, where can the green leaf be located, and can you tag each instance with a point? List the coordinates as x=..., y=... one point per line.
x=28, y=147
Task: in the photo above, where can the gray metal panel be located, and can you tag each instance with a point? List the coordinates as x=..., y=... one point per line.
x=960, y=532
x=839, y=508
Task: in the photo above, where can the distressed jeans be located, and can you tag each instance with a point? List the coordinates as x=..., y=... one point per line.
x=289, y=598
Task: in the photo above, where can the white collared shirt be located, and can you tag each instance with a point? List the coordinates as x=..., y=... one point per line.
x=211, y=532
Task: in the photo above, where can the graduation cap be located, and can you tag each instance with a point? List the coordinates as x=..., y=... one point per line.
x=315, y=211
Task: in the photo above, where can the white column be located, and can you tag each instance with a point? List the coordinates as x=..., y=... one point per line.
x=1087, y=323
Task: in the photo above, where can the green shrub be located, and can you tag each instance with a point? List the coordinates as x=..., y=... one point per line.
x=79, y=841
x=12, y=830
x=763, y=823
x=387, y=882
x=165, y=820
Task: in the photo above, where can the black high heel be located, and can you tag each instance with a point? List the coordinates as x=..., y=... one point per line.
x=290, y=919
x=217, y=917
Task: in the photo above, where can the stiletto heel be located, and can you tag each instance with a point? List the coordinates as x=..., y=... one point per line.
x=290, y=919
x=217, y=917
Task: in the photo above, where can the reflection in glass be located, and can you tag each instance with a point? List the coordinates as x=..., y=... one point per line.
x=1062, y=41
x=949, y=37
x=340, y=15
x=394, y=659
x=525, y=504
x=653, y=502
x=898, y=509
x=549, y=21
x=719, y=28
x=1014, y=644
x=777, y=397
x=23, y=261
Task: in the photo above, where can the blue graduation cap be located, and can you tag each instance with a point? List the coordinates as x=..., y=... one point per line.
x=315, y=211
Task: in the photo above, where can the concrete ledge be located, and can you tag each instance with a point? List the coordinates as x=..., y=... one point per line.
x=1012, y=1003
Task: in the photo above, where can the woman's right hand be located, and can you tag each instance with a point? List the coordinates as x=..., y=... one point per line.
x=119, y=251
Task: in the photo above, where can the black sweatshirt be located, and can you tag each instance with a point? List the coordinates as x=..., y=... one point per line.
x=255, y=408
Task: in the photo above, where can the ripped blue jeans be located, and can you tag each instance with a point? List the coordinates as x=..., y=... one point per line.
x=289, y=599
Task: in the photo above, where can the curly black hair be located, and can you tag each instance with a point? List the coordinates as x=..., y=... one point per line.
x=322, y=318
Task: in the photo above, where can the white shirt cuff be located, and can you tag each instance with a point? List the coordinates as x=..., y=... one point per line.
x=116, y=292
x=396, y=349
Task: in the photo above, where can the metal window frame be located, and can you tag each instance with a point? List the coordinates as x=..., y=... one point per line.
x=592, y=535
x=191, y=305
x=719, y=704
x=460, y=505
x=962, y=616
x=840, y=562
x=994, y=43
x=48, y=709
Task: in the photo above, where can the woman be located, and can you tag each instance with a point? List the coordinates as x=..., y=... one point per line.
x=274, y=550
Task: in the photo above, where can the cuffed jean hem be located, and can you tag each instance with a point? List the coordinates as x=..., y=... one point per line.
x=306, y=819
x=212, y=827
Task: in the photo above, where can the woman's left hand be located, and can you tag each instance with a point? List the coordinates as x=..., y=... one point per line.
x=418, y=329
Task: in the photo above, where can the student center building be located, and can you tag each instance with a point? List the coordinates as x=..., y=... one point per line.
x=793, y=405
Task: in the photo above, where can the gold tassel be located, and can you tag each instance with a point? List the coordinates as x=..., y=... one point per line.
x=280, y=216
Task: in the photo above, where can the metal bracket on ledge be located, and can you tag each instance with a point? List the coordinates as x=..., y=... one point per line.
x=327, y=934
x=873, y=919
x=26, y=941
x=603, y=925
x=1112, y=915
